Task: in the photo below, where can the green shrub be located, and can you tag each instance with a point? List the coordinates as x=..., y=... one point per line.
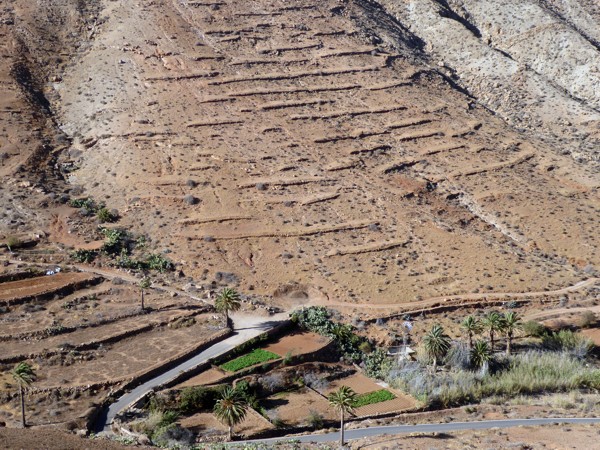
x=528, y=373
x=106, y=216
x=117, y=241
x=87, y=203
x=370, y=398
x=365, y=347
x=316, y=319
x=568, y=341
x=158, y=262
x=84, y=256
x=255, y=357
x=377, y=364
x=193, y=399
x=315, y=420
x=13, y=242
x=534, y=329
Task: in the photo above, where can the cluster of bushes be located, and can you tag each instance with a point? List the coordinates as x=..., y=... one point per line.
x=164, y=411
x=317, y=320
x=119, y=244
x=529, y=373
x=90, y=206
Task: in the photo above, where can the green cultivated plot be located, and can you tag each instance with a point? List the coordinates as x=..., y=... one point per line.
x=255, y=357
x=370, y=398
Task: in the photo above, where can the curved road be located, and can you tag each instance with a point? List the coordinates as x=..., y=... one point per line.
x=360, y=433
x=246, y=328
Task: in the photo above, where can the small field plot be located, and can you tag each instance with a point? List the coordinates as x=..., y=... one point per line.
x=14, y=291
x=294, y=408
x=207, y=424
x=125, y=358
x=210, y=376
x=373, y=399
x=297, y=343
x=256, y=356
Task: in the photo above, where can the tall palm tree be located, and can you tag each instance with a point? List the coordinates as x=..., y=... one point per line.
x=144, y=284
x=437, y=344
x=24, y=375
x=227, y=301
x=493, y=323
x=472, y=326
x=342, y=400
x=480, y=354
x=230, y=409
x=510, y=325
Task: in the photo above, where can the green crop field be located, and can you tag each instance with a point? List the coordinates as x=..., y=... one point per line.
x=369, y=398
x=254, y=357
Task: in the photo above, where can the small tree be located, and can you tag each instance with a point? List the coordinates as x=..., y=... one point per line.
x=227, y=301
x=472, y=326
x=24, y=375
x=342, y=400
x=493, y=324
x=510, y=325
x=230, y=409
x=480, y=355
x=436, y=343
x=145, y=283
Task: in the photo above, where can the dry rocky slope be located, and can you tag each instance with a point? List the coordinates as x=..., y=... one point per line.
x=372, y=151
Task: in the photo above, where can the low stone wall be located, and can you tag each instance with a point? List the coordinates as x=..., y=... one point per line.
x=148, y=374
x=94, y=344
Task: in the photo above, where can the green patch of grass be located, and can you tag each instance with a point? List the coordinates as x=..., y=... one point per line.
x=382, y=395
x=254, y=357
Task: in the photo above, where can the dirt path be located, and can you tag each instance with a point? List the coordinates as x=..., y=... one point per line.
x=551, y=313
x=470, y=298
x=31, y=287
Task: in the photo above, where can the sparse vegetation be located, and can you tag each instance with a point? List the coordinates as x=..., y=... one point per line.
x=527, y=373
x=84, y=256
x=569, y=342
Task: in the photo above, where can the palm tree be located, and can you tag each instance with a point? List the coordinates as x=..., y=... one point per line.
x=480, y=354
x=342, y=400
x=230, y=409
x=24, y=375
x=493, y=323
x=144, y=284
x=510, y=324
x=437, y=344
x=227, y=300
x=472, y=326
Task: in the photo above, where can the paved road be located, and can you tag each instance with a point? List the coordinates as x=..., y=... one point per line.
x=246, y=328
x=360, y=433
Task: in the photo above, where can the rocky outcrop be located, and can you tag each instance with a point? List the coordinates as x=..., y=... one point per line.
x=534, y=63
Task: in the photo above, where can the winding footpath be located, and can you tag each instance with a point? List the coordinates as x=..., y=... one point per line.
x=245, y=328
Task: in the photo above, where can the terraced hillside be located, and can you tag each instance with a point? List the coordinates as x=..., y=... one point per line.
x=88, y=337
x=318, y=143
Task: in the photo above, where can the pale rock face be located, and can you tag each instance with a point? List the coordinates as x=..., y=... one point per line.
x=536, y=64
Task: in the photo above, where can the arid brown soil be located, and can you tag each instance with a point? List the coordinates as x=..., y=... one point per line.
x=311, y=149
x=366, y=155
x=556, y=437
